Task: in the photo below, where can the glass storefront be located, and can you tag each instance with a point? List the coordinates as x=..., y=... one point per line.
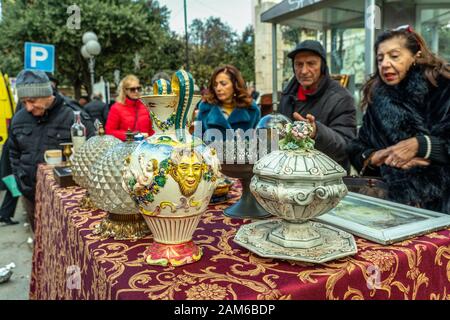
x=347, y=56
x=434, y=25
x=340, y=26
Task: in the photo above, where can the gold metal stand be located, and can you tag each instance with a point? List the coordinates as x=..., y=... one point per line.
x=86, y=203
x=122, y=227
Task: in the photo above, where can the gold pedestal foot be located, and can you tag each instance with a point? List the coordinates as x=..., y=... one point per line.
x=122, y=227
x=86, y=203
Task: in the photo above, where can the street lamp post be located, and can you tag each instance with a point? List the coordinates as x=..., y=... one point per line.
x=187, y=36
x=89, y=50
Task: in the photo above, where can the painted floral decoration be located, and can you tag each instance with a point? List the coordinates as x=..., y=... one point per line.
x=297, y=136
x=164, y=125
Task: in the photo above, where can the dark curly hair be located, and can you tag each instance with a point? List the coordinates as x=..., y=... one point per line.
x=433, y=65
x=241, y=98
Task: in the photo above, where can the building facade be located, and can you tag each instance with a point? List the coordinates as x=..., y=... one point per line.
x=348, y=30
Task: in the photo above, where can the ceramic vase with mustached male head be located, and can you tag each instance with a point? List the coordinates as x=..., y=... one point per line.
x=172, y=176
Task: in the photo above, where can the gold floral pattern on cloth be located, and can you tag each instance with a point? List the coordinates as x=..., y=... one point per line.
x=70, y=262
x=206, y=292
x=382, y=259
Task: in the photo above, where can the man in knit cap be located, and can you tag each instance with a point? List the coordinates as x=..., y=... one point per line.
x=313, y=96
x=42, y=124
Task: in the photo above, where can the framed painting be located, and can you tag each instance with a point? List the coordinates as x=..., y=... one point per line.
x=382, y=221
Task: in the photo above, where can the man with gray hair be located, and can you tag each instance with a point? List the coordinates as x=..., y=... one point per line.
x=313, y=96
x=42, y=124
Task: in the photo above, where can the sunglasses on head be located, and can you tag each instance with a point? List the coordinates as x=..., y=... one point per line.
x=405, y=27
x=134, y=89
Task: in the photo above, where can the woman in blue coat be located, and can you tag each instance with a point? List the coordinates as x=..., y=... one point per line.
x=227, y=105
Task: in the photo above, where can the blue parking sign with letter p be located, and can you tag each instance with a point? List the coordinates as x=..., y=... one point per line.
x=39, y=57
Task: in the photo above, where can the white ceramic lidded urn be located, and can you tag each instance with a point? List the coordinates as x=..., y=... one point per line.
x=172, y=176
x=297, y=183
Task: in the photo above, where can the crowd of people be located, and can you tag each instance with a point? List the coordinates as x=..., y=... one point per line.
x=404, y=138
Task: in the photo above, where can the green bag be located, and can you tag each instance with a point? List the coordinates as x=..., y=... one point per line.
x=11, y=184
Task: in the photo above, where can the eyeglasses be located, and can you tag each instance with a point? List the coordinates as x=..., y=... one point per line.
x=134, y=89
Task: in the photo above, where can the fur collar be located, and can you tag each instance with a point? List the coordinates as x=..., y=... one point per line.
x=413, y=88
x=411, y=108
x=400, y=111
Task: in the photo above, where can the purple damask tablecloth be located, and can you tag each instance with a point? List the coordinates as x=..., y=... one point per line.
x=69, y=262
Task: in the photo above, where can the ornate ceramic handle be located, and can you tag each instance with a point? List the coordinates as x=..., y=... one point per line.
x=323, y=192
x=162, y=87
x=183, y=87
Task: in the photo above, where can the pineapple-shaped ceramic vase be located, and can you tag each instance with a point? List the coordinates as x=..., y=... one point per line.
x=86, y=156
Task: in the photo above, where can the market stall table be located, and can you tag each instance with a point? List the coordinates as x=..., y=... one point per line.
x=69, y=262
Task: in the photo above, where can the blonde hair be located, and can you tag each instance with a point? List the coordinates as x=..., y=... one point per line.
x=123, y=85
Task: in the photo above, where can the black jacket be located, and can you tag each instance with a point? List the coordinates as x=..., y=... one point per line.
x=5, y=164
x=32, y=136
x=97, y=110
x=413, y=108
x=334, y=109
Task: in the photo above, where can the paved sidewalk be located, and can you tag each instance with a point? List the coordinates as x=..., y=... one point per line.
x=14, y=248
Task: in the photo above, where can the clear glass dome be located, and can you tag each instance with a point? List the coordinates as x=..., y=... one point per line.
x=273, y=121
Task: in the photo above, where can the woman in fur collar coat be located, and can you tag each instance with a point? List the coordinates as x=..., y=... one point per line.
x=227, y=105
x=405, y=136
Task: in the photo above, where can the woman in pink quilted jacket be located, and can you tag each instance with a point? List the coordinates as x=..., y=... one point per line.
x=129, y=113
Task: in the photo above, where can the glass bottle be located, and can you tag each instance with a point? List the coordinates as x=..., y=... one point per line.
x=78, y=132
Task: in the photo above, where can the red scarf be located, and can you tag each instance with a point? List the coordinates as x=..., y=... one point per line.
x=302, y=92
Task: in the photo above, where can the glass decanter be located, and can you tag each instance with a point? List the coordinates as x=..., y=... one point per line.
x=78, y=132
